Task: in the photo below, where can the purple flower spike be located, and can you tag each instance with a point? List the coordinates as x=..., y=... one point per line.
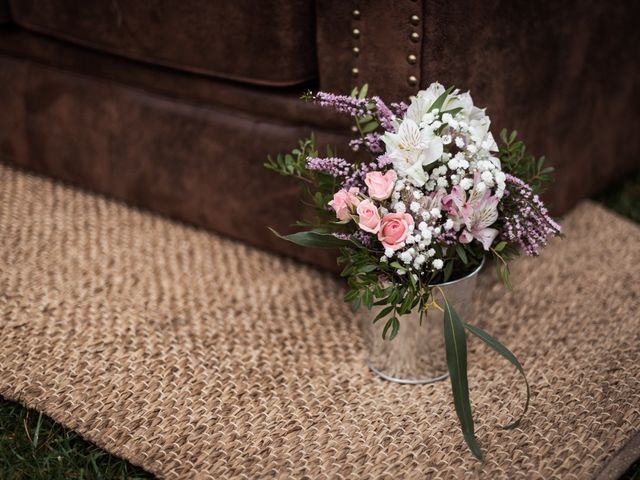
x=343, y=103
x=529, y=224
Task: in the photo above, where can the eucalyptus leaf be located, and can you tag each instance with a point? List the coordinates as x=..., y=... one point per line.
x=395, y=328
x=383, y=313
x=367, y=299
x=456, y=352
x=350, y=295
x=407, y=302
x=315, y=239
x=367, y=268
x=448, y=270
x=386, y=328
x=355, y=304
x=506, y=353
x=462, y=254
x=394, y=324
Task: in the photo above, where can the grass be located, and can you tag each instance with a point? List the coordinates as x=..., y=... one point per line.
x=32, y=446
x=624, y=198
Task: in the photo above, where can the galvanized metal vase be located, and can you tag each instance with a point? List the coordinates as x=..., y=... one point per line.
x=417, y=354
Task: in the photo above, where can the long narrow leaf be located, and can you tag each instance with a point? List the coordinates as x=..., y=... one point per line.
x=440, y=100
x=506, y=353
x=315, y=239
x=456, y=350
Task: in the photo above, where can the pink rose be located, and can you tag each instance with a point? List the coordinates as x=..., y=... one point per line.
x=394, y=229
x=369, y=218
x=343, y=201
x=380, y=186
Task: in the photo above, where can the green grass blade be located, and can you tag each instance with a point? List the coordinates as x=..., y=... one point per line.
x=36, y=433
x=506, y=353
x=456, y=350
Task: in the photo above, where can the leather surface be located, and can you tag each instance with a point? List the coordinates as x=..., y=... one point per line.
x=383, y=40
x=282, y=104
x=213, y=37
x=563, y=74
x=195, y=163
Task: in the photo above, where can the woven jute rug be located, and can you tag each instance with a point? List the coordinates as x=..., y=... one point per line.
x=196, y=356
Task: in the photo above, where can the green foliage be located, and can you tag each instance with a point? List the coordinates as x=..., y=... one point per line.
x=506, y=353
x=503, y=254
x=367, y=123
x=33, y=447
x=315, y=239
x=624, y=198
x=438, y=102
x=520, y=163
x=318, y=188
x=456, y=350
x=294, y=164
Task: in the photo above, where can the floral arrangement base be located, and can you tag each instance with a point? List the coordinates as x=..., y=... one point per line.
x=417, y=354
x=428, y=195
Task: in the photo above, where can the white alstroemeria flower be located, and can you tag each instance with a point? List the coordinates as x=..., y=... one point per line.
x=418, y=108
x=432, y=92
x=422, y=102
x=479, y=122
x=412, y=148
x=466, y=103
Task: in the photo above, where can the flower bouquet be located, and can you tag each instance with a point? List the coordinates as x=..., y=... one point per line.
x=427, y=196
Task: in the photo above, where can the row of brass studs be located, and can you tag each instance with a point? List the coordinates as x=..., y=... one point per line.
x=411, y=58
x=356, y=35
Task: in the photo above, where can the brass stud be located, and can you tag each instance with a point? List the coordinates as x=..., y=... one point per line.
x=356, y=51
x=413, y=81
x=415, y=19
x=356, y=14
x=412, y=59
x=415, y=36
x=355, y=72
x=356, y=33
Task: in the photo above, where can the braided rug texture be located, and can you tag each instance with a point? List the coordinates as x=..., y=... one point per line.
x=198, y=357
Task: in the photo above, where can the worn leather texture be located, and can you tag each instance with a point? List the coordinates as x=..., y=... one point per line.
x=564, y=74
x=269, y=42
x=198, y=163
x=381, y=31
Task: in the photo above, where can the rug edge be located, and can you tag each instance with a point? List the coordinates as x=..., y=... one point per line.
x=62, y=420
x=621, y=460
